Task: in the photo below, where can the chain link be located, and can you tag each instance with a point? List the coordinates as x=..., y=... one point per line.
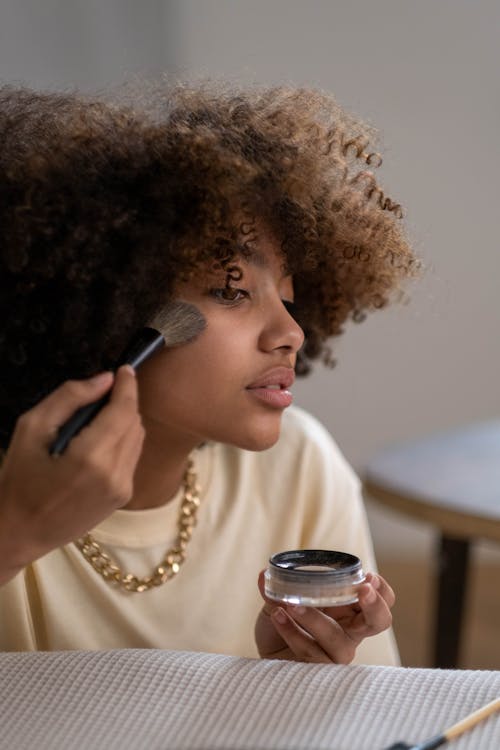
x=174, y=557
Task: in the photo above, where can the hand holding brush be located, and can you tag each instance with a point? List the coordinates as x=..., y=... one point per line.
x=44, y=503
x=177, y=323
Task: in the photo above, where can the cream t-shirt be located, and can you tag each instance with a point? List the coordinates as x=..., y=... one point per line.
x=301, y=493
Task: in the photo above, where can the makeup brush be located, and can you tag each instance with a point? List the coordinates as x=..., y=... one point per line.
x=455, y=731
x=176, y=323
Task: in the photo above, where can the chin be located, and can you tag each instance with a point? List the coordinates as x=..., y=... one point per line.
x=259, y=439
x=258, y=445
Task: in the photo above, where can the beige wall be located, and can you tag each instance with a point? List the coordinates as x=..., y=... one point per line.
x=83, y=43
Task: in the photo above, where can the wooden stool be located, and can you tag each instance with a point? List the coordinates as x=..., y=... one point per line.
x=451, y=480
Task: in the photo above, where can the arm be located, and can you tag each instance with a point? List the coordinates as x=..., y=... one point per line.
x=47, y=501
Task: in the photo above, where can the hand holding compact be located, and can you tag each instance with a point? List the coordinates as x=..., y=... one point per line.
x=47, y=501
x=323, y=635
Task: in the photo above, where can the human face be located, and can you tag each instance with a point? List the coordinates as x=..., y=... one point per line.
x=231, y=384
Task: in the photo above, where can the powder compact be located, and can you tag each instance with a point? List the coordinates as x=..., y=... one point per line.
x=314, y=577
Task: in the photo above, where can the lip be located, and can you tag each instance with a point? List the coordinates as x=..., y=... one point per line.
x=278, y=398
x=282, y=376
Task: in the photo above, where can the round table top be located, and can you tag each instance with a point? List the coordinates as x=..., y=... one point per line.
x=451, y=479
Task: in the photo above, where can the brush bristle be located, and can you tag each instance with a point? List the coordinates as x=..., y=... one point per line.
x=178, y=322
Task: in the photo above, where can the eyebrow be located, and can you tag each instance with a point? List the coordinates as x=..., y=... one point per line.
x=256, y=258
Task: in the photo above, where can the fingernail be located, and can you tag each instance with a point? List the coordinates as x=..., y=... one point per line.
x=129, y=369
x=375, y=582
x=279, y=615
x=102, y=378
x=297, y=609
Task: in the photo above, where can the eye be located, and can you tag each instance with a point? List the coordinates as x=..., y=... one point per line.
x=228, y=296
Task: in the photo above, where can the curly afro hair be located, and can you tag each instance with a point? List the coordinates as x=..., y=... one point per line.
x=104, y=206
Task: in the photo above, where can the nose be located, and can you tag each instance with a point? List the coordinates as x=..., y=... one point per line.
x=281, y=330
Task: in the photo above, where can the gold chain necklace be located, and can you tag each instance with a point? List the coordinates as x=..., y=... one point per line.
x=173, y=558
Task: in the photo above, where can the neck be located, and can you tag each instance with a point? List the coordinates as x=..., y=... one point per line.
x=161, y=467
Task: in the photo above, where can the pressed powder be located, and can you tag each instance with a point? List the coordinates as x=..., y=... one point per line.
x=314, y=577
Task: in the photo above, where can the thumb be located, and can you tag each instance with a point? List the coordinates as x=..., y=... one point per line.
x=269, y=604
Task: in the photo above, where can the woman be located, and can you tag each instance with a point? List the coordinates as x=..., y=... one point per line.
x=257, y=208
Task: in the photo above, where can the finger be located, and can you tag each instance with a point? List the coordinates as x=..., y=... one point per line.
x=124, y=400
x=344, y=613
x=125, y=386
x=59, y=405
x=375, y=615
x=382, y=587
x=116, y=417
x=301, y=644
x=330, y=636
x=261, y=583
x=270, y=604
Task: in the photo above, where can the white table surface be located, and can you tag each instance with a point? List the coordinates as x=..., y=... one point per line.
x=153, y=700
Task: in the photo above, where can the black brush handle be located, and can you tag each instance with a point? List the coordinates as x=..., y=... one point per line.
x=434, y=742
x=146, y=343
x=431, y=744
x=75, y=423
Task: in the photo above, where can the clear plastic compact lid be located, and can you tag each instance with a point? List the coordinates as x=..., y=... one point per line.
x=314, y=578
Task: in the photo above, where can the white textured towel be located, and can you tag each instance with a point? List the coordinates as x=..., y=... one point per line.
x=154, y=700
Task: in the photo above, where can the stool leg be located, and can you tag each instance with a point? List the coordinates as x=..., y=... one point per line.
x=452, y=582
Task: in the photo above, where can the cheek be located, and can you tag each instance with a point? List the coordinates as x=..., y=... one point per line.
x=168, y=377
x=225, y=347
x=190, y=371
